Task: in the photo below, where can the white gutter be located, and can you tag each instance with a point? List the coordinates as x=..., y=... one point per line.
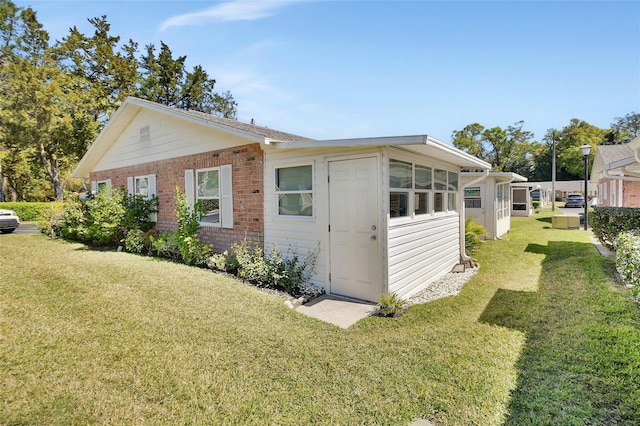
x=605, y=173
x=463, y=253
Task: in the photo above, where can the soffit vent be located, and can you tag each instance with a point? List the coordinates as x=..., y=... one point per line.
x=145, y=134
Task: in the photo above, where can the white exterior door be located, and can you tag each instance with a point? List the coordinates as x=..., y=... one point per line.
x=354, y=228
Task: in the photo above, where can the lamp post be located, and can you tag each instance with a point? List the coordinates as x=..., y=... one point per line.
x=586, y=149
x=553, y=173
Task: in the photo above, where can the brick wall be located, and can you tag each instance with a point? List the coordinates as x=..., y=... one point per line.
x=631, y=192
x=248, y=199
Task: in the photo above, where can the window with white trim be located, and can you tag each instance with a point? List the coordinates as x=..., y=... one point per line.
x=294, y=190
x=213, y=188
x=99, y=185
x=208, y=192
x=415, y=189
x=472, y=198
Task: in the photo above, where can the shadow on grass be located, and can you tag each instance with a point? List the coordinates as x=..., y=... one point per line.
x=580, y=360
x=544, y=219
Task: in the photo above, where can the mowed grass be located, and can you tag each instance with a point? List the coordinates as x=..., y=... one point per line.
x=541, y=335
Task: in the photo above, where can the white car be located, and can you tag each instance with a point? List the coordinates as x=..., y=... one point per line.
x=9, y=221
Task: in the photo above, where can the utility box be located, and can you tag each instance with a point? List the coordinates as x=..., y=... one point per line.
x=565, y=221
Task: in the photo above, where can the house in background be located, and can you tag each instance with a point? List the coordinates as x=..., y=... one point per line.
x=386, y=214
x=522, y=198
x=616, y=174
x=489, y=201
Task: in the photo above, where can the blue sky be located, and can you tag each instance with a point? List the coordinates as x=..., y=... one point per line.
x=342, y=69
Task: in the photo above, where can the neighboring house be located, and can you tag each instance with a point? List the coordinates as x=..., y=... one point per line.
x=384, y=213
x=616, y=173
x=489, y=201
x=522, y=199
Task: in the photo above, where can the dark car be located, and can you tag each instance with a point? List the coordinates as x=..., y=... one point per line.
x=9, y=221
x=574, y=200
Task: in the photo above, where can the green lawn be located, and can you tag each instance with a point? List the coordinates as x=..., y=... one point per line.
x=541, y=335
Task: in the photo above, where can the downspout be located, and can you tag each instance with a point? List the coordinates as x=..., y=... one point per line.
x=463, y=253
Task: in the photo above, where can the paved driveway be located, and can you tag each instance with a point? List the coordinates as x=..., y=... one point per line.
x=26, y=228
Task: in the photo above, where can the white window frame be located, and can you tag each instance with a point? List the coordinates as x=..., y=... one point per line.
x=95, y=185
x=151, y=185
x=471, y=195
x=225, y=194
x=151, y=190
x=307, y=195
x=448, y=195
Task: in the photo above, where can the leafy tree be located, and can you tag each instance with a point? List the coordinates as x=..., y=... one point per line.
x=164, y=79
x=41, y=110
x=106, y=75
x=569, y=160
x=507, y=149
x=625, y=128
x=162, y=75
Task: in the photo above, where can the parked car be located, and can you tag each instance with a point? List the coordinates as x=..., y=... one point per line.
x=9, y=221
x=574, y=200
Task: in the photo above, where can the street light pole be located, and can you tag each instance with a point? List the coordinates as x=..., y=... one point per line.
x=586, y=149
x=553, y=173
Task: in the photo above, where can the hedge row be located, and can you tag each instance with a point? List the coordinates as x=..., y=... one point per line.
x=31, y=212
x=609, y=222
x=628, y=259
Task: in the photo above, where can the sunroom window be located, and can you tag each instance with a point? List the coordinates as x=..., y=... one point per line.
x=416, y=189
x=400, y=185
x=294, y=190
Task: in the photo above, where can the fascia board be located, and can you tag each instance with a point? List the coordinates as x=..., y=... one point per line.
x=414, y=143
x=100, y=145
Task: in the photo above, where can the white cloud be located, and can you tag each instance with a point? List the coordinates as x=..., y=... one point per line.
x=234, y=10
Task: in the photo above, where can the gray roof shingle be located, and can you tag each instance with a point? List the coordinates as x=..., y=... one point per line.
x=613, y=153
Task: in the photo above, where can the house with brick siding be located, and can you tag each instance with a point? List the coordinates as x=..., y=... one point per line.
x=384, y=214
x=616, y=173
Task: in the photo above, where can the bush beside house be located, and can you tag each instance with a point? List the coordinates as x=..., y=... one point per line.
x=628, y=259
x=618, y=228
x=112, y=217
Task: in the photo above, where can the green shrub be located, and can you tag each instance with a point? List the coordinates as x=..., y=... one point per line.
x=105, y=218
x=390, y=305
x=166, y=245
x=474, y=233
x=137, y=241
x=608, y=222
x=138, y=212
x=535, y=204
x=273, y=270
x=224, y=261
x=628, y=259
x=32, y=212
x=183, y=243
x=105, y=214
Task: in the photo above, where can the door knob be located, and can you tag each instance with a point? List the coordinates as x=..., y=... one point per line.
x=373, y=238
x=373, y=227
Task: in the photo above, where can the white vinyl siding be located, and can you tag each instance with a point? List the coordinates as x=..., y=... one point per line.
x=171, y=138
x=421, y=252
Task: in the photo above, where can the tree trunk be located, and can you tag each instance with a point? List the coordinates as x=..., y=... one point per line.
x=51, y=166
